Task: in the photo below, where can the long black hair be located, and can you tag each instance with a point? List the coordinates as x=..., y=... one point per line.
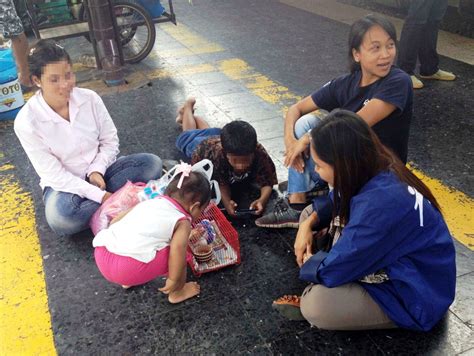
x=345, y=141
x=45, y=52
x=358, y=31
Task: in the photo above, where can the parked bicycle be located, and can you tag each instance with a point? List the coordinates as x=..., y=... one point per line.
x=135, y=20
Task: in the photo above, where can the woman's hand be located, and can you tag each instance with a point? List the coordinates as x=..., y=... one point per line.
x=294, y=155
x=106, y=196
x=303, y=241
x=308, y=254
x=95, y=178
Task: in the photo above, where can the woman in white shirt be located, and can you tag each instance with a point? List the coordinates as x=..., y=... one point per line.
x=72, y=143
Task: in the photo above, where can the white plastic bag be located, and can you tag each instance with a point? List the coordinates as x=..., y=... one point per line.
x=157, y=187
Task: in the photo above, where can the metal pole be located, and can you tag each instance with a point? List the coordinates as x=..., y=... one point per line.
x=101, y=12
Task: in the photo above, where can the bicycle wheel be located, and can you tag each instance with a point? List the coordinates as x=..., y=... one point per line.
x=136, y=29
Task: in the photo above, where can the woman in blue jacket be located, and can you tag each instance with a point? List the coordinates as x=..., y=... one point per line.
x=392, y=260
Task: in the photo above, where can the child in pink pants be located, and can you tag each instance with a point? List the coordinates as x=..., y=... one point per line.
x=150, y=240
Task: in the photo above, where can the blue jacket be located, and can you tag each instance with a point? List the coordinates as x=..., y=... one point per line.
x=392, y=227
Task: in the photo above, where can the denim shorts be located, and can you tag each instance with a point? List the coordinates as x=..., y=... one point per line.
x=309, y=179
x=188, y=140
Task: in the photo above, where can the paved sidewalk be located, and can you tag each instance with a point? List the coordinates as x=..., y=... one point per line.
x=235, y=58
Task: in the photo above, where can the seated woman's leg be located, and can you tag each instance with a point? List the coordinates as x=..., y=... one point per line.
x=139, y=167
x=67, y=213
x=347, y=307
x=299, y=183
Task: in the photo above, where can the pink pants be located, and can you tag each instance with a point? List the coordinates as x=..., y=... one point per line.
x=128, y=271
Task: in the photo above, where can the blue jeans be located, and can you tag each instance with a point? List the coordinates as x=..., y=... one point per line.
x=419, y=36
x=68, y=213
x=188, y=140
x=309, y=179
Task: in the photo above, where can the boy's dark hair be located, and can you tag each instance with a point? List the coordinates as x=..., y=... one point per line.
x=43, y=53
x=239, y=138
x=195, y=187
x=360, y=28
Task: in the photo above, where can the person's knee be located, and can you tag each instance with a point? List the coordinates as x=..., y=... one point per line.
x=60, y=215
x=316, y=306
x=153, y=166
x=304, y=124
x=308, y=122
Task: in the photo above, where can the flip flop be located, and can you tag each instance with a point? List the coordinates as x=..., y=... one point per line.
x=289, y=307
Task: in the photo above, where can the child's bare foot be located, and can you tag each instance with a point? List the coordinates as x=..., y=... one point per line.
x=188, y=104
x=179, y=118
x=125, y=287
x=189, y=290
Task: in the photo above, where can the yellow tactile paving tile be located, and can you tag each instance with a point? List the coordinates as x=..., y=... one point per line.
x=25, y=322
x=259, y=84
x=195, y=43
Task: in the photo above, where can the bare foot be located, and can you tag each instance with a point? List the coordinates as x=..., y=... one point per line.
x=179, y=118
x=188, y=104
x=126, y=287
x=189, y=290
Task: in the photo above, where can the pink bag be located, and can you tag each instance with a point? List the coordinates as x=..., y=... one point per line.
x=123, y=199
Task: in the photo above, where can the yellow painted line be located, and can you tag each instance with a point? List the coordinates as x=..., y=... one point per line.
x=171, y=53
x=260, y=85
x=25, y=322
x=184, y=52
x=6, y=167
x=457, y=209
x=196, y=69
x=191, y=40
x=183, y=71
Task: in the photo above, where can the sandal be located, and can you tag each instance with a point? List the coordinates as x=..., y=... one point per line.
x=289, y=307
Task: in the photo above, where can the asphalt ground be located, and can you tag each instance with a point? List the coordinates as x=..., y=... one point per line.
x=241, y=59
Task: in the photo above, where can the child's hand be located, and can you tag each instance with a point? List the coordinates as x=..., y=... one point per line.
x=230, y=208
x=171, y=286
x=258, y=206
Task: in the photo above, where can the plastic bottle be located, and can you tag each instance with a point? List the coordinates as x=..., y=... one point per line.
x=11, y=96
x=145, y=194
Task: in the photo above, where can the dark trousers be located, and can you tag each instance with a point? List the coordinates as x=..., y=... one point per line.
x=420, y=35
